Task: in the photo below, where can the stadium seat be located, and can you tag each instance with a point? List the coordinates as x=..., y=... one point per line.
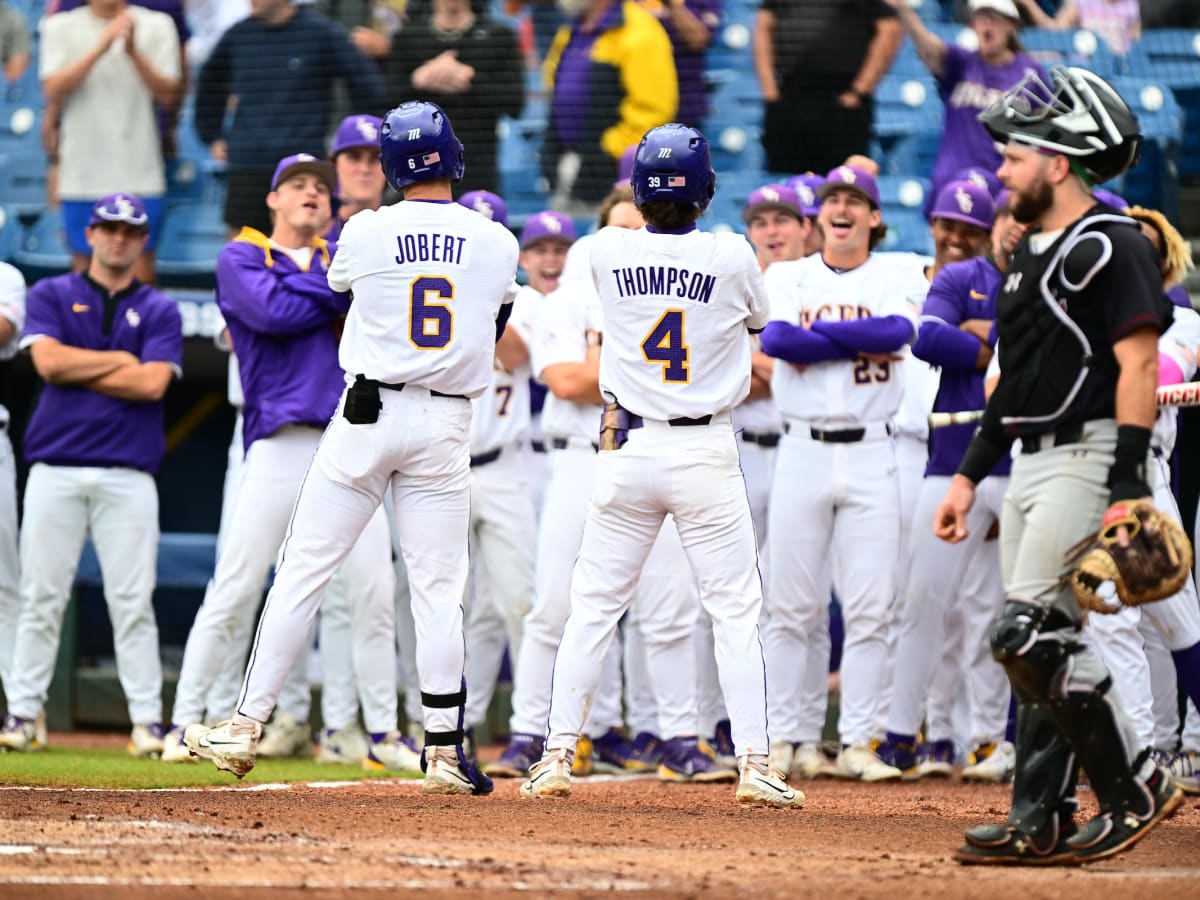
x=955, y=34
x=10, y=233
x=913, y=154
x=908, y=232
x=905, y=106
x=192, y=235
x=1051, y=47
x=1172, y=58
x=43, y=248
x=1154, y=181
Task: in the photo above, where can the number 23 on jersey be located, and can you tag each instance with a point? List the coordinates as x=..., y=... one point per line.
x=665, y=345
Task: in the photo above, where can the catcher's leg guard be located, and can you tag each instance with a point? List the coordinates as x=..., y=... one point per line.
x=480, y=783
x=1043, y=803
x=1046, y=663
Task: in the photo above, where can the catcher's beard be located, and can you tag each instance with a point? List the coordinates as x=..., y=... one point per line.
x=1028, y=208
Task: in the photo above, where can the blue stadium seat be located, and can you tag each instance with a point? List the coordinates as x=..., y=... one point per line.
x=905, y=106
x=1071, y=48
x=43, y=248
x=10, y=233
x=907, y=232
x=1154, y=181
x=192, y=235
x=185, y=560
x=735, y=146
x=20, y=127
x=903, y=193
x=23, y=181
x=1172, y=57
x=914, y=154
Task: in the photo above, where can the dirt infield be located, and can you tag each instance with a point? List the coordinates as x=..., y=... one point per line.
x=639, y=837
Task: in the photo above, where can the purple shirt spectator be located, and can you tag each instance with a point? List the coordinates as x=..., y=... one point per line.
x=74, y=426
x=689, y=63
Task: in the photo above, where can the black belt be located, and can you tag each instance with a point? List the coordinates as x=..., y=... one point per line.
x=484, y=458
x=1067, y=434
x=564, y=443
x=844, y=436
x=766, y=439
x=432, y=393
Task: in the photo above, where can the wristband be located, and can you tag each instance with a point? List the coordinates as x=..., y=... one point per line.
x=1127, y=477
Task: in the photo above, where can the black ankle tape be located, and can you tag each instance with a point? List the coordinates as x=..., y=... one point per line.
x=444, y=701
x=443, y=738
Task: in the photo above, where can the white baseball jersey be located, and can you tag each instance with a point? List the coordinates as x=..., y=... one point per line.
x=500, y=416
x=1179, y=342
x=12, y=308
x=426, y=261
x=841, y=392
x=671, y=302
x=559, y=335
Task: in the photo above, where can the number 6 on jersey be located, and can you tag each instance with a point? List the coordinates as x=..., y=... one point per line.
x=665, y=345
x=430, y=324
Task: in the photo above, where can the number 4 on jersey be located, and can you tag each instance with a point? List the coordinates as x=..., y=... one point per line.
x=665, y=345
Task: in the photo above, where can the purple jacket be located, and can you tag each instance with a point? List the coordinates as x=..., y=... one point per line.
x=281, y=323
x=961, y=291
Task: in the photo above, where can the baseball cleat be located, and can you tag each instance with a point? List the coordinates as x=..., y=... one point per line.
x=522, y=752
x=392, y=753
x=935, y=759
x=449, y=771
x=230, y=745
x=760, y=785
x=992, y=762
x=19, y=734
x=1185, y=769
x=612, y=753
x=1111, y=833
x=582, y=767
x=901, y=752
x=146, y=741
x=346, y=746
x=285, y=737
x=722, y=745
x=1004, y=845
x=647, y=752
x=809, y=761
x=174, y=749
x=684, y=760
x=860, y=762
x=549, y=777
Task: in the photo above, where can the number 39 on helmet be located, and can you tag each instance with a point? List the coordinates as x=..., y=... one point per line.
x=673, y=164
x=417, y=143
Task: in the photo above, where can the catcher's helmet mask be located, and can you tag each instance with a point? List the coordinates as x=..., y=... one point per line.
x=417, y=143
x=673, y=164
x=1078, y=115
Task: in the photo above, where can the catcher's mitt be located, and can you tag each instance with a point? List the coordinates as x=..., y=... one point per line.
x=1154, y=565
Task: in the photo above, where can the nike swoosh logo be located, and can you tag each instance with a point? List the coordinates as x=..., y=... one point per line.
x=79, y=307
x=786, y=792
x=975, y=295
x=209, y=742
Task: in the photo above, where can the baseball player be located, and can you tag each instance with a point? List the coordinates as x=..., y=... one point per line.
x=360, y=182
x=106, y=347
x=502, y=513
x=280, y=313
x=806, y=187
x=430, y=280
x=936, y=612
x=839, y=320
x=677, y=305
x=12, y=318
x=1083, y=285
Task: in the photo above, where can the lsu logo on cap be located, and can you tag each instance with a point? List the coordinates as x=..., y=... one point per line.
x=770, y=195
x=847, y=175
x=807, y=197
x=964, y=201
x=366, y=128
x=484, y=208
x=551, y=224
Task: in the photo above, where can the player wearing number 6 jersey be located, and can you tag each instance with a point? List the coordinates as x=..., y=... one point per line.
x=677, y=305
x=840, y=324
x=430, y=279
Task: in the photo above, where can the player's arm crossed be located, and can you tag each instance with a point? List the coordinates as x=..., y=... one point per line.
x=944, y=340
x=269, y=304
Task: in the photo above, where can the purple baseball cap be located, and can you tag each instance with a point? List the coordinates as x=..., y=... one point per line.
x=487, y=204
x=983, y=177
x=851, y=177
x=625, y=165
x=806, y=186
x=1114, y=200
x=125, y=208
x=964, y=201
x=547, y=224
x=772, y=196
x=299, y=163
x=356, y=131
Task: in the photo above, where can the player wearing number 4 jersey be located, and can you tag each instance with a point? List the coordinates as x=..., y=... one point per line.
x=676, y=357
x=430, y=280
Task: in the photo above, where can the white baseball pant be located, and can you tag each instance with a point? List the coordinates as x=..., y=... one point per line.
x=119, y=508
x=692, y=473
x=10, y=594
x=834, y=523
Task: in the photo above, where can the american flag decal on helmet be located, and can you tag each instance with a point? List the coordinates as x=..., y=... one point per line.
x=677, y=181
x=430, y=158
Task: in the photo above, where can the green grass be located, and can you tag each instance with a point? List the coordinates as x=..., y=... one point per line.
x=70, y=767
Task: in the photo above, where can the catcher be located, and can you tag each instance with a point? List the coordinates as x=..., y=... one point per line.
x=1078, y=318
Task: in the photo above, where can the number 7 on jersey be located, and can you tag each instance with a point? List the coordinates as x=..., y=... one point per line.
x=665, y=345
